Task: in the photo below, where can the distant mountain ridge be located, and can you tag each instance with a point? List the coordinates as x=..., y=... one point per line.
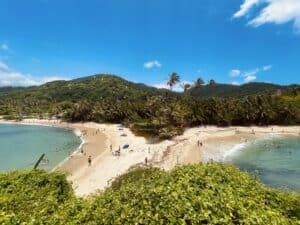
x=228, y=90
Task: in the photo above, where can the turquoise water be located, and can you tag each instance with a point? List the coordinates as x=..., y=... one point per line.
x=276, y=161
x=22, y=145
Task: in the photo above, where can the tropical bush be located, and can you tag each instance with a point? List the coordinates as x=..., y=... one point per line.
x=194, y=194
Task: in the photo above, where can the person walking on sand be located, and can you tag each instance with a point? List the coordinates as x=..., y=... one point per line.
x=146, y=161
x=90, y=160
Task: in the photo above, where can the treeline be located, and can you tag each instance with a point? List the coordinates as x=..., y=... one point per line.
x=168, y=116
x=145, y=109
x=195, y=194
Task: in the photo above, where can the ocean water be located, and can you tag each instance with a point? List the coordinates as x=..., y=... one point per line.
x=274, y=160
x=22, y=145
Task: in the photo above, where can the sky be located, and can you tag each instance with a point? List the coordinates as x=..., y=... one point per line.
x=230, y=41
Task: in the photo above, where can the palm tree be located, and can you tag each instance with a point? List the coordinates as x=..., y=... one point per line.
x=173, y=79
x=199, y=82
x=186, y=87
x=212, y=83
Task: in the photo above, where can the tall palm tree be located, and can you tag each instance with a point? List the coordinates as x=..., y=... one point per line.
x=186, y=87
x=212, y=83
x=199, y=82
x=173, y=79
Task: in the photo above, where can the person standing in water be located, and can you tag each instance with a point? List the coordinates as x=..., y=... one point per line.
x=90, y=160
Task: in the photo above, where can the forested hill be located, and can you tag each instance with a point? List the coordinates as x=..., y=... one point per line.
x=113, y=87
x=107, y=98
x=91, y=88
x=228, y=90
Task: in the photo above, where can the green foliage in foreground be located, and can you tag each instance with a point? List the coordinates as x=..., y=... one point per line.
x=196, y=194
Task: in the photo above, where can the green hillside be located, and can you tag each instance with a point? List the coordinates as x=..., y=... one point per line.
x=92, y=88
x=101, y=86
x=107, y=98
x=197, y=194
x=228, y=90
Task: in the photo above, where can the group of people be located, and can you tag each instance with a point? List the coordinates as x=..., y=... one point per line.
x=116, y=152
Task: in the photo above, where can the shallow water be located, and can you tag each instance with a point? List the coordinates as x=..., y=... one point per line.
x=22, y=145
x=275, y=160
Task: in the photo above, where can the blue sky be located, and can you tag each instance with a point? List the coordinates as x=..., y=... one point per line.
x=231, y=41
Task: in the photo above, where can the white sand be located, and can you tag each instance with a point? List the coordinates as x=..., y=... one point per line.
x=184, y=149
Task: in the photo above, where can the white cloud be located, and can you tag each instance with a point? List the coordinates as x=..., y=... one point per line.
x=251, y=75
x=245, y=7
x=267, y=67
x=3, y=66
x=4, y=47
x=250, y=78
x=178, y=87
x=279, y=12
x=273, y=11
x=152, y=64
x=235, y=83
x=234, y=73
x=9, y=77
x=161, y=85
x=252, y=72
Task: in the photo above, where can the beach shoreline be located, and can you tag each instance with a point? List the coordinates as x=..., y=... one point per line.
x=101, y=141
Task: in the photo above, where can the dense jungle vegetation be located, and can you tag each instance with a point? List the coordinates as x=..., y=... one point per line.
x=107, y=98
x=195, y=194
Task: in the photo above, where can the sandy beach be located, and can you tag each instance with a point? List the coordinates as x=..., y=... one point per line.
x=102, y=142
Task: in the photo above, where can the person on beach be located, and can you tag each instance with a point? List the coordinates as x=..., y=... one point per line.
x=90, y=160
x=146, y=161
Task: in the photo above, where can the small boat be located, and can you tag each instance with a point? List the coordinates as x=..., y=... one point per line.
x=125, y=146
